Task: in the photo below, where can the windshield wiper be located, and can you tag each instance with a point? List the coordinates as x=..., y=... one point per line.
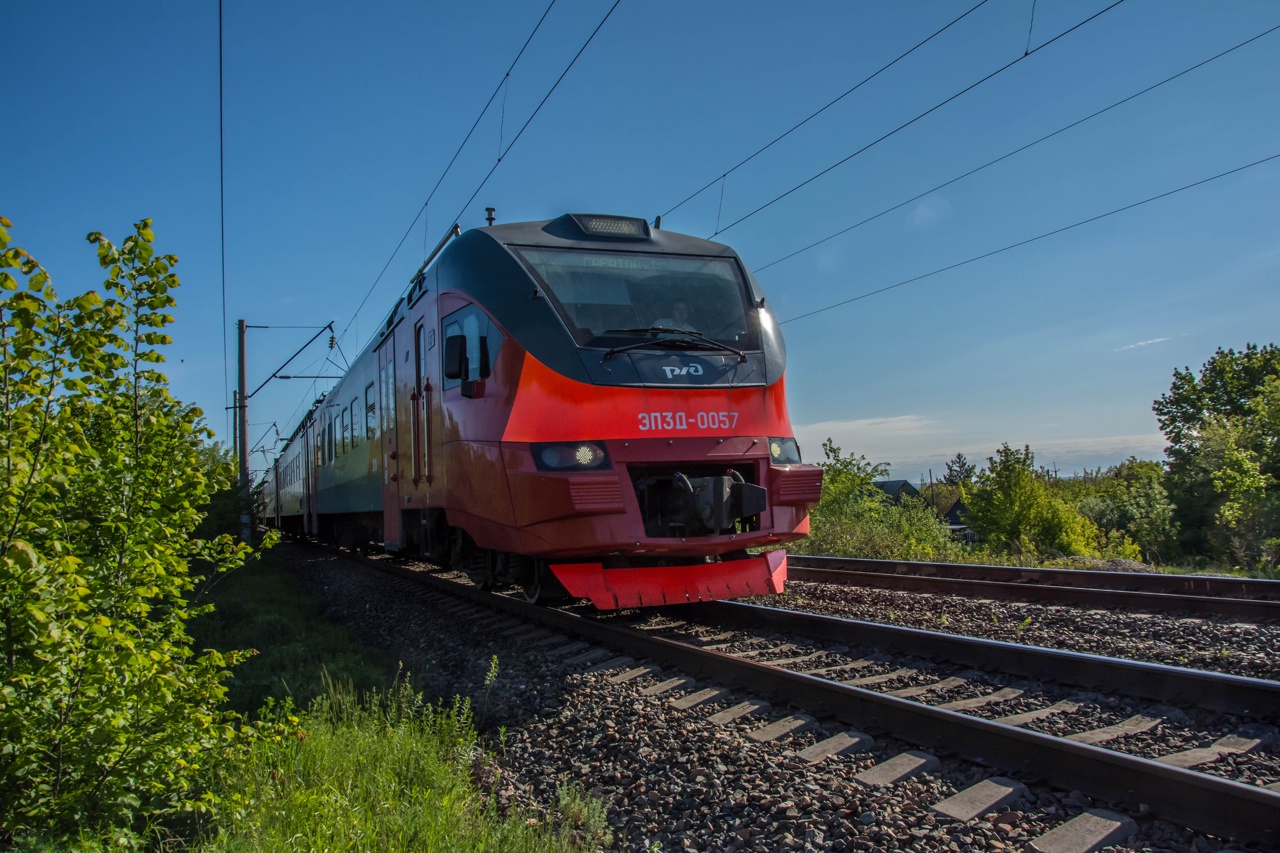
x=700, y=341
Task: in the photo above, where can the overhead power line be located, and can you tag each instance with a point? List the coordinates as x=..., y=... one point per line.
x=488, y=103
x=421, y=209
x=431, y=195
x=819, y=112
x=222, y=220
x=1029, y=240
x=1016, y=151
x=544, y=100
x=907, y=124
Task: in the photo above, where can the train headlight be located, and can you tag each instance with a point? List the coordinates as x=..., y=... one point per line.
x=784, y=451
x=625, y=227
x=575, y=456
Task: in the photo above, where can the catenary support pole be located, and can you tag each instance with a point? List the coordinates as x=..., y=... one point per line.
x=242, y=414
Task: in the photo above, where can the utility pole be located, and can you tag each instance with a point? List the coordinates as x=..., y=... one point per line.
x=242, y=418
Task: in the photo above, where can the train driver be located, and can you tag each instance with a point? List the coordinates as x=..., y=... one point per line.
x=679, y=318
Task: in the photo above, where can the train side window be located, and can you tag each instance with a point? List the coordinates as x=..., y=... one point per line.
x=370, y=413
x=346, y=431
x=355, y=422
x=478, y=341
x=387, y=378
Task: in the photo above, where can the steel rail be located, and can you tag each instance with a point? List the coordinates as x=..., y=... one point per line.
x=1215, y=691
x=1196, y=800
x=1063, y=586
x=1214, y=585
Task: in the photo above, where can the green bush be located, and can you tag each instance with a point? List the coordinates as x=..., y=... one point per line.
x=1012, y=508
x=856, y=519
x=107, y=715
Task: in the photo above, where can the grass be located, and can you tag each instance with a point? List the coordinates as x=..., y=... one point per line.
x=262, y=607
x=382, y=771
x=369, y=765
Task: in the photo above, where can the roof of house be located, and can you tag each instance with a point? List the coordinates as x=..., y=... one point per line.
x=896, y=488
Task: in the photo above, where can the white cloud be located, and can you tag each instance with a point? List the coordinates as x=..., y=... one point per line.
x=1143, y=344
x=929, y=212
x=879, y=439
x=914, y=444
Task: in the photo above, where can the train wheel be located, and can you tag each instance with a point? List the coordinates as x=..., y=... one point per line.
x=541, y=587
x=533, y=586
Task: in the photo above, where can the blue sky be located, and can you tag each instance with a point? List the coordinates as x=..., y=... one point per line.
x=339, y=119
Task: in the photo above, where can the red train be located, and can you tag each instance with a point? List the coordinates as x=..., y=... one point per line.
x=586, y=403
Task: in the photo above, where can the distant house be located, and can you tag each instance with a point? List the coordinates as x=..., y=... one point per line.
x=954, y=518
x=897, y=489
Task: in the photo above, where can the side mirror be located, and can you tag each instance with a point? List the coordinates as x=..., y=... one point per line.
x=455, y=357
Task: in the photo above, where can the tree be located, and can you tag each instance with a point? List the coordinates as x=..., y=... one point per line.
x=960, y=471
x=1227, y=385
x=1012, y=508
x=106, y=712
x=1130, y=499
x=1221, y=426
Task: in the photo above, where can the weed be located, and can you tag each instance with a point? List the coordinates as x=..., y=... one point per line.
x=1022, y=626
x=943, y=621
x=584, y=814
x=490, y=678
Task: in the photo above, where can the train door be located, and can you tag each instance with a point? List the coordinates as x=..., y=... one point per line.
x=423, y=339
x=308, y=480
x=391, y=533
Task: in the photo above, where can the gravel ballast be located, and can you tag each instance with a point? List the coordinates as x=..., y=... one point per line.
x=669, y=778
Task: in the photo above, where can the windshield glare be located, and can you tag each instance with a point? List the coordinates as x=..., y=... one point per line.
x=608, y=298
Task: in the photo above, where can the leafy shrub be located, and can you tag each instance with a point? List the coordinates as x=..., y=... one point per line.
x=1012, y=508
x=856, y=519
x=106, y=713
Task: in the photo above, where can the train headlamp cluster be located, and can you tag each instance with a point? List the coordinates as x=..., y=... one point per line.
x=784, y=451
x=573, y=456
x=611, y=226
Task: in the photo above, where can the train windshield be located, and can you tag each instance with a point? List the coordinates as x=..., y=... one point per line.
x=610, y=299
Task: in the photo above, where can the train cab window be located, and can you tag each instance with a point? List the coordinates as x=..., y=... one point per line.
x=370, y=413
x=479, y=341
x=607, y=299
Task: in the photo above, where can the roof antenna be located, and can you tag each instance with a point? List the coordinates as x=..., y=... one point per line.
x=488, y=214
x=657, y=221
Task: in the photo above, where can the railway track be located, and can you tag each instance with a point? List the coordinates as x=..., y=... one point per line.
x=835, y=669
x=1238, y=598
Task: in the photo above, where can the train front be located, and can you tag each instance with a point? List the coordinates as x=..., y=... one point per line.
x=648, y=445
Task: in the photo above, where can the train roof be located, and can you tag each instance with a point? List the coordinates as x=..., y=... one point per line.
x=603, y=231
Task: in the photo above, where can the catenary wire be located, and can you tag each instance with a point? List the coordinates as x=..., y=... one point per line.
x=222, y=222
x=1016, y=151
x=488, y=103
x=1029, y=240
x=516, y=139
x=542, y=103
x=431, y=195
x=1030, y=28
x=819, y=112
x=907, y=124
